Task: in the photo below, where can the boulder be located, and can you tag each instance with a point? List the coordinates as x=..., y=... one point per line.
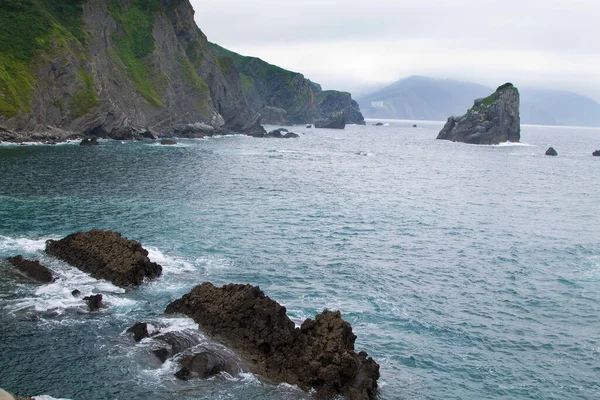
x=33, y=269
x=551, y=152
x=106, y=255
x=90, y=142
x=197, y=130
x=492, y=120
x=414, y=125
x=123, y=133
x=76, y=293
x=309, y=126
x=206, y=363
x=177, y=342
x=596, y=153
x=378, y=124
x=281, y=133
x=319, y=355
x=335, y=120
x=161, y=353
x=139, y=330
x=94, y=302
x=168, y=142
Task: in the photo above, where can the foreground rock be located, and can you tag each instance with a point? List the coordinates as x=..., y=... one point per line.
x=94, y=302
x=106, y=255
x=596, y=153
x=551, y=152
x=139, y=330
x=492, y=120
x=319, y=355
x=335, y=120
x=33, y=269
x=206, y=363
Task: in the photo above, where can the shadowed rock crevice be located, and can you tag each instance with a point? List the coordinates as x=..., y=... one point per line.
x=319, y=355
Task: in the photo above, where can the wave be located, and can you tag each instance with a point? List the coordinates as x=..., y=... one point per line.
x=25, y=245
x=513, y=144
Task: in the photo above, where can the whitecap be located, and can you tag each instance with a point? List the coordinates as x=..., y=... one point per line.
x=513, y=144
x=26, y=245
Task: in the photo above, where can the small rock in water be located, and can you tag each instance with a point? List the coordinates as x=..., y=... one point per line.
x=139, y=330
x=89, y=142
x=551, y=152
x=309, y=126
x=94, y=302
x=415, y=125
x=596, y=153
x=167, y=142
x=378, y=124
x=75, y=293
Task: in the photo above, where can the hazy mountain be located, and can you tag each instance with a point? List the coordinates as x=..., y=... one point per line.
x=423, y=98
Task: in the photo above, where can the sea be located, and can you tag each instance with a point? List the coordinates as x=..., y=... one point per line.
x=466, y=271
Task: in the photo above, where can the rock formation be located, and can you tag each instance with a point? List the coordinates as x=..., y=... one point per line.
x=106, y=255
x=335, y=120
x=319, y=355
x=280, y=133
x=117, y=68
x=33, y=269
x=94, y=302
x=596, y=153
x=206, y=363
x=492, y=120
x=139, y=330
x=551, y=152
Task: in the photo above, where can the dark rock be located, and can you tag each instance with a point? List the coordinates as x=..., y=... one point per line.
x=139, y=330
x=335, y=120
x=274, y=116
x=415, y=125
x=194, y=131
x=309, y=126
x=319, y=355
x=596, y=153
x=94, y=302
x=280, y=133
x=89, y=142
x=106, y=255
x=492, y=120
x=32, y=269
x=551, y=152
x=378, y=124
x=168, y=142
x=290, y=135
x=147, y=134
x=162, y=354
x=75, y=293
x=205, y=364
x=178, y=341
x=123, y=133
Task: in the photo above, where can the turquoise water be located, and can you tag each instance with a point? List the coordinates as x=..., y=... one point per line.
x=467, y=272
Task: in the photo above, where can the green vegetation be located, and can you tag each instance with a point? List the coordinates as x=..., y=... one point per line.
x=136, y=43
x=16, y=85
x=201, y=87
x=86, y=98
x=195, y=53
x=69, y=14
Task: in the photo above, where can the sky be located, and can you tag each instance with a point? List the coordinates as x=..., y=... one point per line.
x=360, y=45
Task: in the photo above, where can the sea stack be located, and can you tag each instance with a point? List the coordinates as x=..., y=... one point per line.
x=492, y=120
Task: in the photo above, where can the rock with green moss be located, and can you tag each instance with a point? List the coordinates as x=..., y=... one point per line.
x=492, y=120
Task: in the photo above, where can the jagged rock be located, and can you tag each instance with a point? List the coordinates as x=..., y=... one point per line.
x=206, y=363
x=274, y=116
x=335, y=120
x=32, y=269
x=161, y=353
x=492, y=120
x=94, y=302
x=551, y=152
x=148, y=134
x=168, y=142
x=139, y=330
x=319, y=355
x=178, y=342
x=123, y=133
x=197, y=130
x=89, y=142
x=106, y=255
x=596, y=153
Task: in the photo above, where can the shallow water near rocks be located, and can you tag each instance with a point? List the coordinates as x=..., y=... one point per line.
x=466, y=271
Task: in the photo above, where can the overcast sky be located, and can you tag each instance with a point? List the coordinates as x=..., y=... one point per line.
x=356, y=45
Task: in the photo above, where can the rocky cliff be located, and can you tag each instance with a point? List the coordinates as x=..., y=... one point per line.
x=283, y=96
x=492, y=120
x=109, y=67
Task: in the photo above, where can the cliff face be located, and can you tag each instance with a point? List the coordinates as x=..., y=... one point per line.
x=492, y=120
x=283, y=96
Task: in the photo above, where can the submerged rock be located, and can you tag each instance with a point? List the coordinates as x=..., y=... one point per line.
x=33, y=269
x=319, y=355
x=551, y=152
x=177, y=342
x=168, y=142
x=378, y=124
x=596, y=153
x=139, y=330
x=94, y=302
x=492, y=120
x=335, y=120
x=106, y=255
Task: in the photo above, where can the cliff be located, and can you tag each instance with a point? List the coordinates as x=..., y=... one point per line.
x=110, y=67
x=492, y=120
x=285, y=97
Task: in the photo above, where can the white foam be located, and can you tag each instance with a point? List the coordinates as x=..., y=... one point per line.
x=172, y=264
x=513, y=144
x=21, y=244
x=46, y=397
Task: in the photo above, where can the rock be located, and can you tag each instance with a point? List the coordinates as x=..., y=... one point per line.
x=123, y=133
x=75, y=293
x=5, y=395
x=274, y=116
x=319, y=355
x=106, y=255
x=335, y=120
x=162, y=354
x=206, y=363
x=89, y=142
x=492, y=120
x=178, y=342
x=378, y=124
x=309, y=126
x=32, y=269
x=139, y=330
x=147, y=134
x=168, y=142
x=415, y=125
x=596, y=153
x=194, y=131
x=290, y=135
x=94, y=302
x=551, y=152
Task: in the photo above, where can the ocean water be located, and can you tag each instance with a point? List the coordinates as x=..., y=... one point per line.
x=467, y=272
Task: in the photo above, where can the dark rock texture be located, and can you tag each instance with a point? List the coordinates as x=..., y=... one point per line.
x=335, y=120
x=139, y=330
x=596, y=153
x=89, y=142
x=177, y=342
x=492, y=120
x=274, y=116
x=32, y=269
x=319, y=355
x=168, y=142
x=94, y=302
x=106, y=255
x=206, y=363
x=551, y=152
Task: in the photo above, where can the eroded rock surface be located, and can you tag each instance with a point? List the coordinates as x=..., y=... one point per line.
x=335, y=120
x=318, y=355
x=106, y=255
x=33, y=269
x=492, y=120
